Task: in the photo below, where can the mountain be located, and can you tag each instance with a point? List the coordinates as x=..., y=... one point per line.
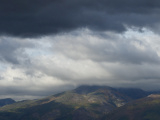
x=147, y=108
x=6, y=101
x=87, y=103
x=83, y=103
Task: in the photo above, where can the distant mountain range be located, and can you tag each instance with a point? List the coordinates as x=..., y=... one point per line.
x=86, y=103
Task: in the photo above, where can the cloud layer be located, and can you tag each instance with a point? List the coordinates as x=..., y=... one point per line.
x=36, y=67
x=37, y=17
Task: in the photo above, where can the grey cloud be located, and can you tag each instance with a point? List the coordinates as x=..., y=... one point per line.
x=110, y=48
x=12, y=50
x=38, y=17
x=26, y=92
x=1, y=78
x=7, y=50
x=135, y=73
x=81, y=57
x=126, y=53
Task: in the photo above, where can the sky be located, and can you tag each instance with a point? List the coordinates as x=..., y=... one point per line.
x=54, y=45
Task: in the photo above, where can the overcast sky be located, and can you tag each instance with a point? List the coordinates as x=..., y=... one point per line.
x=54, y=45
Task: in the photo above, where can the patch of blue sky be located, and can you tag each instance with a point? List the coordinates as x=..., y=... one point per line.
x=40, y=48
x=3, y=66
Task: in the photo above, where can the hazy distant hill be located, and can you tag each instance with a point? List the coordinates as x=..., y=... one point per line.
x=6, y=101
x=83, y=103
x=147, y=108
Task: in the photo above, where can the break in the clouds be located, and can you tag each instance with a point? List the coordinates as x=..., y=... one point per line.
x=38, y=17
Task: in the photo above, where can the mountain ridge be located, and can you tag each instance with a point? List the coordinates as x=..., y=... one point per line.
x=84, y=102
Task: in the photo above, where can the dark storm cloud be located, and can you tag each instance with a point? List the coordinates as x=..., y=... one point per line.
x=39, y=17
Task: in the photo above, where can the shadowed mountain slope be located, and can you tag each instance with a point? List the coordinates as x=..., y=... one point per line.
x=147, y=108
